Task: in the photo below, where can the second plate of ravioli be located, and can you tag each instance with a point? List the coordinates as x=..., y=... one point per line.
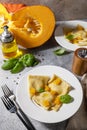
x=60, y=36
x=37, y=113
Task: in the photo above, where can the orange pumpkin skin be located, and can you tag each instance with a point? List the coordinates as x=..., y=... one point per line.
x=12, y=8
x=39, y=24
x=32, y=25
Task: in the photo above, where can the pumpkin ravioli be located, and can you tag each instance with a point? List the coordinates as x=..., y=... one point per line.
x=46, y=91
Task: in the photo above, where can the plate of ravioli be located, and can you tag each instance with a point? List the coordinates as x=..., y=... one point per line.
x=49, y=94
x=72, y=34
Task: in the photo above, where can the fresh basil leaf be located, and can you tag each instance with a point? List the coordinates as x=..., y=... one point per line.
x=60, y=51
x=41, y=90
x=70, y=37
x=66, y=98
x=28, y=60
x=17, y=68
x=9, y=64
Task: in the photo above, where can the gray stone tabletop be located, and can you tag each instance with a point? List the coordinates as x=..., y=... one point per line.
x=46, y=56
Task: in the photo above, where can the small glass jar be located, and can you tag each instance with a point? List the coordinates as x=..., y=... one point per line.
x=9, y=46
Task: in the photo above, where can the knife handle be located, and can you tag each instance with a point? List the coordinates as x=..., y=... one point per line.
x=26, y=119
x=26, y=123
x=23, y=117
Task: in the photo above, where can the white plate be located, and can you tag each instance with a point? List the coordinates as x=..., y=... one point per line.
x=37, y=113
x=59, y=35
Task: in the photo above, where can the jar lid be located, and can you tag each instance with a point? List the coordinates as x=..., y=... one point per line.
x=6, y=36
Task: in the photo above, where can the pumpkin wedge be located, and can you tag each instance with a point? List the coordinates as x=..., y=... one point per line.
x=33, y=25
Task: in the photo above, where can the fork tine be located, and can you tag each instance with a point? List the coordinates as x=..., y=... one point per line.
x=7, y=102
x=7, y=92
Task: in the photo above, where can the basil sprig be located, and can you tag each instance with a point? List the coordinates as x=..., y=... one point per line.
x=16, y=65
x=60, y=51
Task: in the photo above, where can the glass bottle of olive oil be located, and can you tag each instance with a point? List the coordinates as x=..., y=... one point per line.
x=9, y=46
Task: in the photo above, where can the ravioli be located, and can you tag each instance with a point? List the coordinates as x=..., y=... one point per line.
x=46, y=91
x=36, y=83
x=77, y=35
x=44, y=99
x=59, y=85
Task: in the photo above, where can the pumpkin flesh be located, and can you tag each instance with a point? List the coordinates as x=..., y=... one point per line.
x=6, y=12
x=3, y=12
x=38, y=27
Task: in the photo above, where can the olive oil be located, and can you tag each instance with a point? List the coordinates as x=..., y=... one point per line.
x=9, y=49
x=9, y=46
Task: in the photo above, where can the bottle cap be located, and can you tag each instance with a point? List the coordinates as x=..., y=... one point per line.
x=6, y=36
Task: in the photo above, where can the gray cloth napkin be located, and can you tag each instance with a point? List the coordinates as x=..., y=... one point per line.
x=79, y=120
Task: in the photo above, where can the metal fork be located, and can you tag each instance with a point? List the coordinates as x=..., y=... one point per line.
x=9, y=94
x=13, y=109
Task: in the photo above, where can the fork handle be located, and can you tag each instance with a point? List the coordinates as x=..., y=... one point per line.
x=27, y=123
x=23, y=117
x=26, y=119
